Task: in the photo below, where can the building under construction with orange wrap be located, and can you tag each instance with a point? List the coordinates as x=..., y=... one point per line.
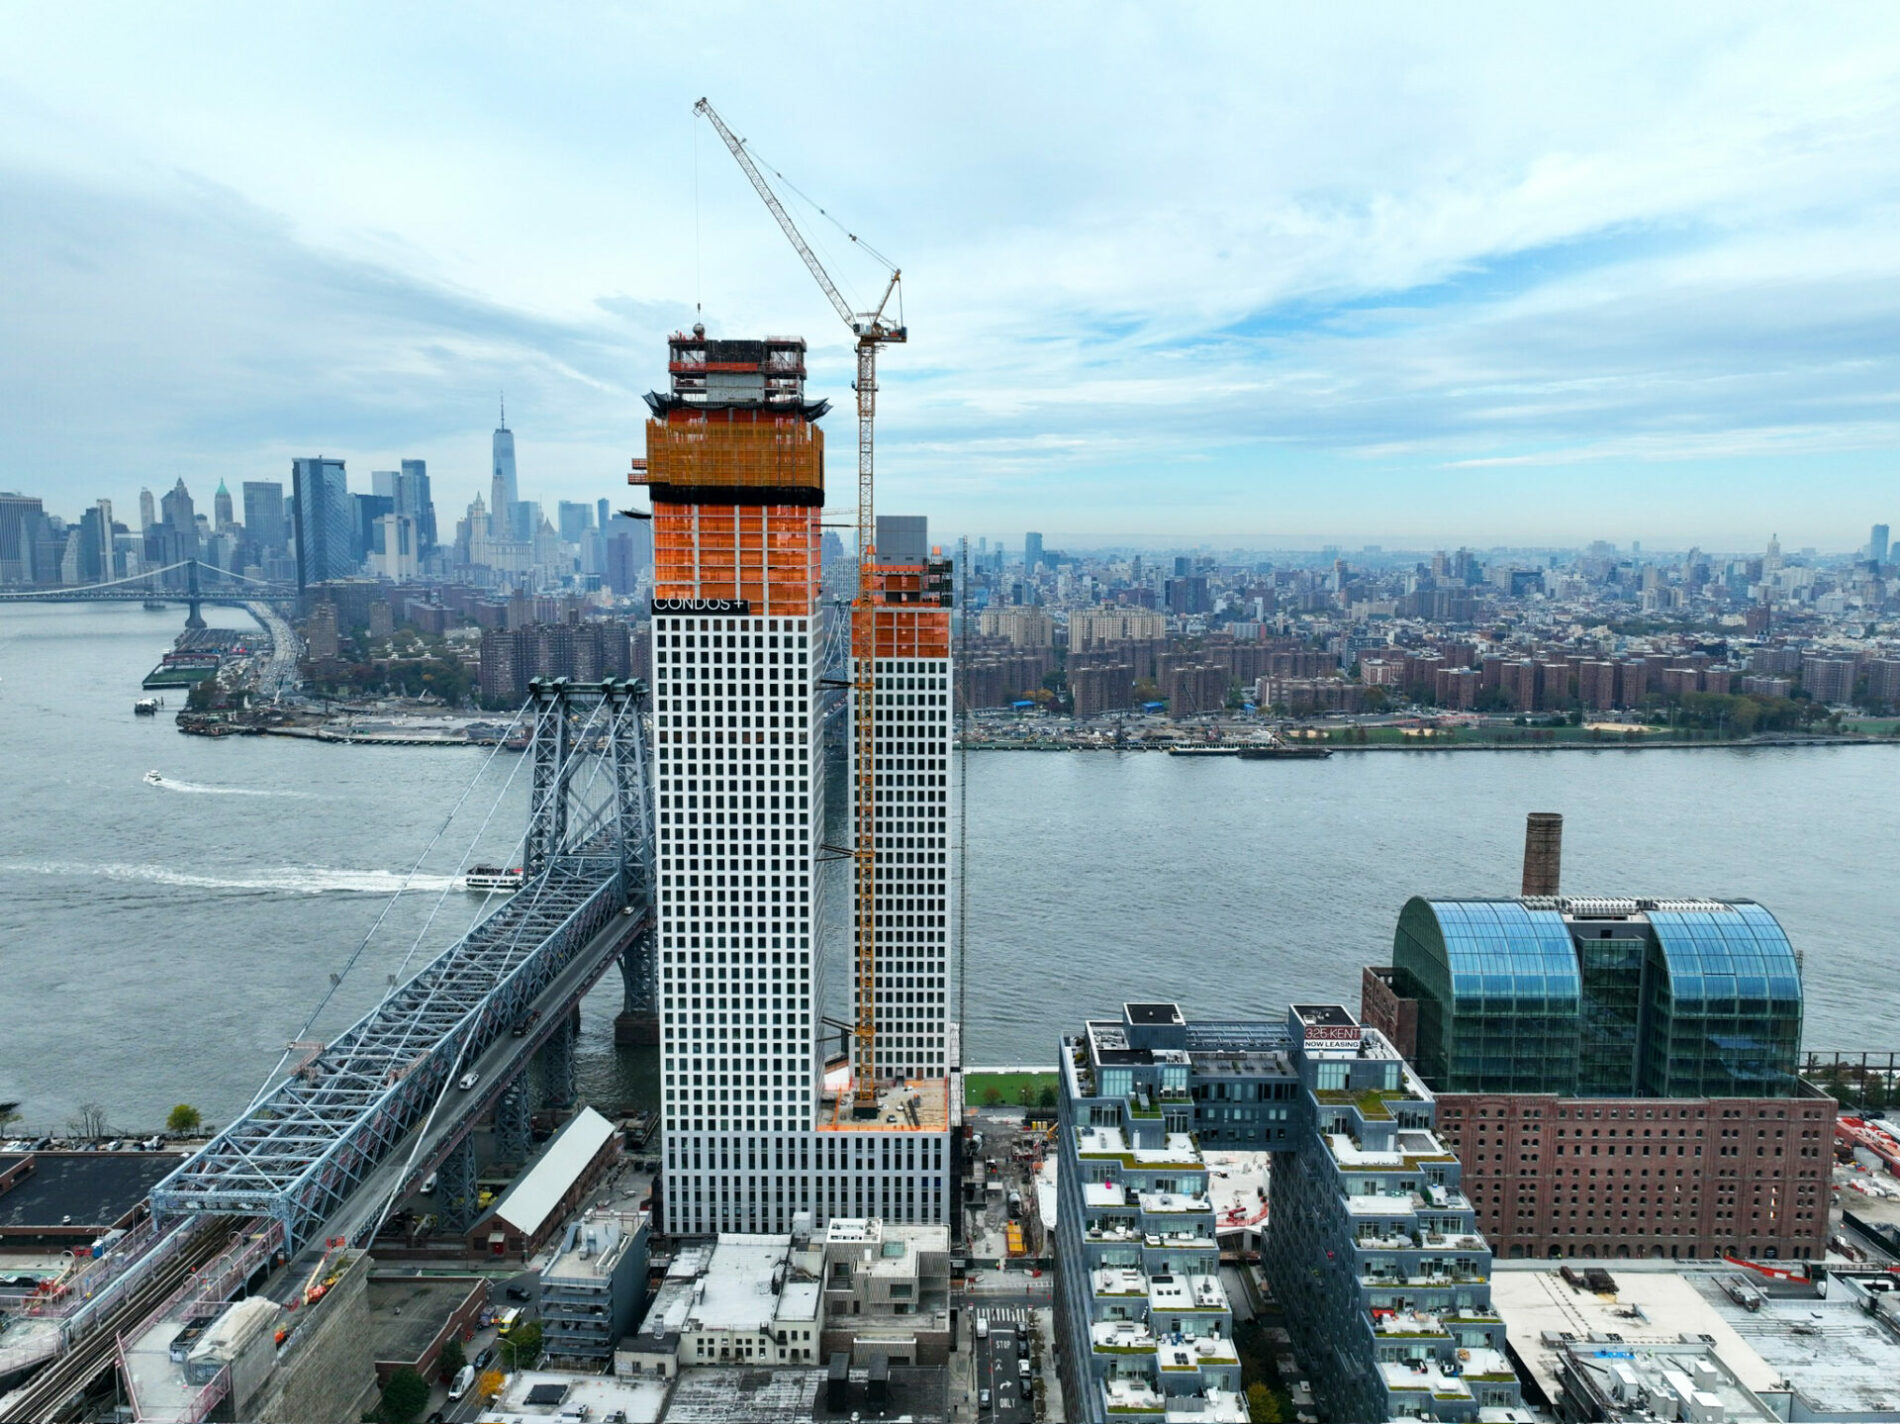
x=754, y=1132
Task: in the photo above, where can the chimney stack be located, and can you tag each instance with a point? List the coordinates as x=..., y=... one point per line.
x=1543, y=852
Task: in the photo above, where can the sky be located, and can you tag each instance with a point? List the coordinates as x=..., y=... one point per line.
x=1254, y=275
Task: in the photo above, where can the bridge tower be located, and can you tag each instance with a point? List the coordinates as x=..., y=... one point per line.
x=193, y=619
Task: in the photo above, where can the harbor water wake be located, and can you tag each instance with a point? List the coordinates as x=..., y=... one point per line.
x=289, y=879
x=193, y=788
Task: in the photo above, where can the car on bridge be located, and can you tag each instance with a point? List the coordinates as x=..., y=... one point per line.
x=469, y=1080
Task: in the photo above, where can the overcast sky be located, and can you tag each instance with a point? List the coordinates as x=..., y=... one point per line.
x=1260, y=274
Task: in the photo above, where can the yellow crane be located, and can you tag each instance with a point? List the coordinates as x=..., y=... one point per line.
x=872, y=330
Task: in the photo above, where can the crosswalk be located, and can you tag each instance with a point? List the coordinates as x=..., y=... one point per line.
x=1003, y=1314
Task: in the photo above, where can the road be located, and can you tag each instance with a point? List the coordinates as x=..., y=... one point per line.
x=278, y=676
x=998, y=1373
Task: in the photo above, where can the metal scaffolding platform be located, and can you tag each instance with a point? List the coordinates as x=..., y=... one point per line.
x=297, y=1155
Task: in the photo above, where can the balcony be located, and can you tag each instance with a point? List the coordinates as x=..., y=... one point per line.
x=1428, y=1376
x=1121, y=1337
x=1408, y=1325
x=1130, y=1395
x=1211, y=1406
x=1174, y=1203
x=1109, y=1229
x=1180, y=1293
x=1382, y=1203
x=1097, y=1194
x=1458, y=1241
x=1120, y=1280
x=1183, y=1355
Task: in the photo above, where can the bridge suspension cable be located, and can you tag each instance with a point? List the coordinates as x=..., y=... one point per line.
x=337, y=978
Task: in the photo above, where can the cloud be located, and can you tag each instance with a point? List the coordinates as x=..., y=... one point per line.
x=1290, y=264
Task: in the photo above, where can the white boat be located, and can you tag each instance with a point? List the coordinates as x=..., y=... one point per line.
x=492, y=877
x=152, y=778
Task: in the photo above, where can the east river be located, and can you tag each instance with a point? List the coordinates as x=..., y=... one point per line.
x=160, y=943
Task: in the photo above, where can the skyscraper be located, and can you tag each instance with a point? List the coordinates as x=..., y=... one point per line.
x=574, y=520
x=222, y=517
x=322, y=492
x=911, y=781
x=179, y=524
x=502, y=495
x=1032, y=552
x=22, y=517
x=148, y=512
x=95, y=543
x=413, y=499
x=754, y=1131
x=1877, y=544
x=264, y=513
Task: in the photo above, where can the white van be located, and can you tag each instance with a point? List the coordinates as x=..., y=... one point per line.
x=469, y=1080
x=982, y=1327
x=464, y=1378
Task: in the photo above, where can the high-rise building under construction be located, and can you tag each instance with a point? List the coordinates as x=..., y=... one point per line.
x=755, y=1129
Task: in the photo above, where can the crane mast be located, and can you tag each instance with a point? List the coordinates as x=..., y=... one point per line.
x=872, y=329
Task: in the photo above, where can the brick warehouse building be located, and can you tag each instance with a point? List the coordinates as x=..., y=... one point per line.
x=1618, y=1076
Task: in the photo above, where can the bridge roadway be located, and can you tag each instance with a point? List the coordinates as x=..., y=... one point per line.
x=51, y=1393
x=497, y=1067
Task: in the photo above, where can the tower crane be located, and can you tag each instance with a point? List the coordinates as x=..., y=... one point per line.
x=872, y=330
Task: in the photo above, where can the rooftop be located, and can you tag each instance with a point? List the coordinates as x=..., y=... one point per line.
x=1648, y=1381
x=592, y=1247
x=406, y=1312
x=1539, y=1307
x=642, y=1399
x=915, y=1105
x=533, y=1198
x=1153, y=1013
x=79, y=1192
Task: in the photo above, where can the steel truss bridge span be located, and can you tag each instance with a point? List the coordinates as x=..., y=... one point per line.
x=305, y=1147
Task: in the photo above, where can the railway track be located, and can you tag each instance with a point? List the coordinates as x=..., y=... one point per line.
x=57, y=1391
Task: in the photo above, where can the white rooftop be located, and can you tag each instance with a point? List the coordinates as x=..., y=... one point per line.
x=533, y=1199
x=1659, y=1306
x=642, y=1399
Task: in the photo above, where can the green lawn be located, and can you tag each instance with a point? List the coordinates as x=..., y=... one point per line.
x=1010, y=1086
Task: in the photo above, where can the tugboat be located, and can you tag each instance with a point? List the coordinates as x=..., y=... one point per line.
x=492, y=877
x=153, y=606
x=145, y=707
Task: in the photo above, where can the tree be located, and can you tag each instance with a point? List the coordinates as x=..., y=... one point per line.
x=992, y=1096
x=453, y=1357
x=89, y=1121
x=403, y=1397
x=521, y=1347
x=490, y=1384
x=183, y=1119
x=1047, y=1098
x=9, y=1114
x=1262, y=1406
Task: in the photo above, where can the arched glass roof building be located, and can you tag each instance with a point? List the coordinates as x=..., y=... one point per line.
x=1612, y=998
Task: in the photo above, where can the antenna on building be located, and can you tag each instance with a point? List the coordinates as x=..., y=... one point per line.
x=504, y=410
